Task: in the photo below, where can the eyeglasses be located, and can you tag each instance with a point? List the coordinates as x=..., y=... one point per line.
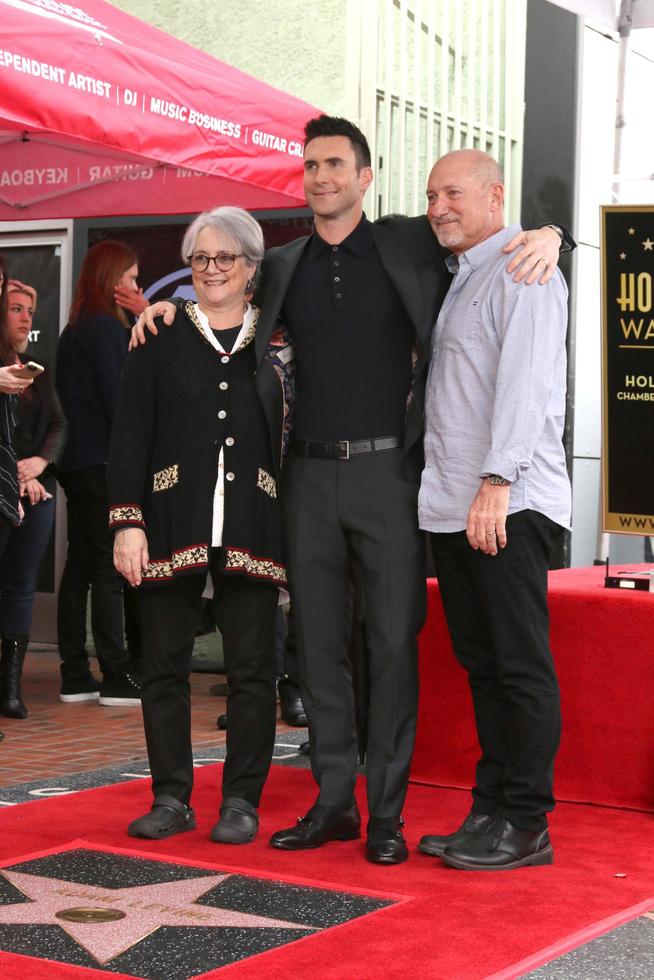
x=224, y=261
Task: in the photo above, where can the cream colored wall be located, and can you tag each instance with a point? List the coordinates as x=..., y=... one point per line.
x=419, y=76
x=296, y=45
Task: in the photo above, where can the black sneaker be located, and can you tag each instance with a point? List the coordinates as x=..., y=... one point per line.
x=121, y=690
x=84, y=689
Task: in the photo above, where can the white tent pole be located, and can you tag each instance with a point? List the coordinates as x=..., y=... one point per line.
x=624, y=29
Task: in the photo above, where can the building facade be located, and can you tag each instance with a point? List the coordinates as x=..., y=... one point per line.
x=420, y=77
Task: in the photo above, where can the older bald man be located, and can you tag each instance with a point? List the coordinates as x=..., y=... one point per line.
x=495, y=496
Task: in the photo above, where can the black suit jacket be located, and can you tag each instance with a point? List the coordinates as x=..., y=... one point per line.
x=414, y=262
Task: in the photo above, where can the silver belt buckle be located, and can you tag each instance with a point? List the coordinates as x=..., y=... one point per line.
x=347, y=449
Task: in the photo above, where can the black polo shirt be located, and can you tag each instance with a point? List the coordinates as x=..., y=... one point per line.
x=353, y=341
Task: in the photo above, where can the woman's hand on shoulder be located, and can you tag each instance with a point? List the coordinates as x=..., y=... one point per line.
x=163, y=309
x=131, y=557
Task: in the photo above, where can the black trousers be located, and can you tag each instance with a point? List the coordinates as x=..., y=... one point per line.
x=366, y=507
x=89, y=565
x=245, y=612
x=496, y=609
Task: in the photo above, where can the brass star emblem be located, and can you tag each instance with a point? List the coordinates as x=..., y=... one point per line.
x=648, y=245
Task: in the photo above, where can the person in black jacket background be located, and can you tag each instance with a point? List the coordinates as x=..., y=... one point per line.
x=39, y=439
x=11, y=511
x=90, y=358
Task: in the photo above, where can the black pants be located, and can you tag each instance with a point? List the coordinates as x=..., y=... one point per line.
x=366, y=507
x=89, y=564
x=5, y=532
x=496, y=609
x=245, y=612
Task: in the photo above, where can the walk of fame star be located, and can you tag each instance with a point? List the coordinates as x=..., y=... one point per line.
x=145, y=908
x=157, y=920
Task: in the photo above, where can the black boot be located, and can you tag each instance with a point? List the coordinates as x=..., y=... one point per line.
x=13, y=654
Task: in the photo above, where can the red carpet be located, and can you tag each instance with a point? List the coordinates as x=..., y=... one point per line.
x=602, y=640
x=459, y=925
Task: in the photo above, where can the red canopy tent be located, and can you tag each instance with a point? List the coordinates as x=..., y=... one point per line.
x=103, y=114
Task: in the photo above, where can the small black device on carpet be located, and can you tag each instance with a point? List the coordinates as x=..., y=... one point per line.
x=634, y=579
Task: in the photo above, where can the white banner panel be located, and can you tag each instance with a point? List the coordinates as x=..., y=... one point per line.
x=607, y=12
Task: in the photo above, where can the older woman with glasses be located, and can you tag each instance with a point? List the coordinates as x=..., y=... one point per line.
x=193, y=478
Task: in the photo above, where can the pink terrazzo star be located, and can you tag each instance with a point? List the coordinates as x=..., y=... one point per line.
x=146, y=908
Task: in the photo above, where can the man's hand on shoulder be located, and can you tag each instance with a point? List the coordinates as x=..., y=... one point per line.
x=537, y=258
x=164, y=309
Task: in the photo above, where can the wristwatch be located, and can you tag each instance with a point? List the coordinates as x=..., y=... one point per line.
x=497, y=481
x=567, y=242
x=557, y=229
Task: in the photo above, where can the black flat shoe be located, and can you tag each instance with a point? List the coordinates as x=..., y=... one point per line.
x=238, y=824
x=386, y=843
x=321, y=824
x=502, y=847
x=168, y=816
x=473, y=825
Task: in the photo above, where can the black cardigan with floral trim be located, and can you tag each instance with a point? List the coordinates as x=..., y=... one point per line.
x=180, y=401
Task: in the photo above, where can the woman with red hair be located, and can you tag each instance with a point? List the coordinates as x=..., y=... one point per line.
x=90, y=359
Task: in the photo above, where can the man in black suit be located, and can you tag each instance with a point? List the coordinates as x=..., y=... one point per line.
x=359, y=300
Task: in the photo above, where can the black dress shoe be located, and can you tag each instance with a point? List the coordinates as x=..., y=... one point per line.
x=168, y=816
x=386, y=843
x=290, y=702
x=305, y=748
x=321, y=824
x=501, y=847
x=238, y=822
x=473, y=825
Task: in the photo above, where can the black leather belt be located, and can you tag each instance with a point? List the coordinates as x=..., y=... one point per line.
x=344, y=449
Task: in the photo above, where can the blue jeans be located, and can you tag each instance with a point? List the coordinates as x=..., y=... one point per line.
x=19, y=566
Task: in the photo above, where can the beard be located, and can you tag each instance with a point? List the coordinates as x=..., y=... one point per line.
x=449, y=235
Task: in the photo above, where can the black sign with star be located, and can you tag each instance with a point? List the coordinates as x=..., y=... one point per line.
x=628, y=369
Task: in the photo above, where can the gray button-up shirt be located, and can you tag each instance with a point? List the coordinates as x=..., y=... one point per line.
x=496, y=391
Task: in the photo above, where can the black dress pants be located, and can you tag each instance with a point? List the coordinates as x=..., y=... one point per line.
x=496, y=609
x=245, y=612
x=89, y=564
x=365, y=506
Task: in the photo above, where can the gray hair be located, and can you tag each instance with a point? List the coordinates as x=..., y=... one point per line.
x=235, y=224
